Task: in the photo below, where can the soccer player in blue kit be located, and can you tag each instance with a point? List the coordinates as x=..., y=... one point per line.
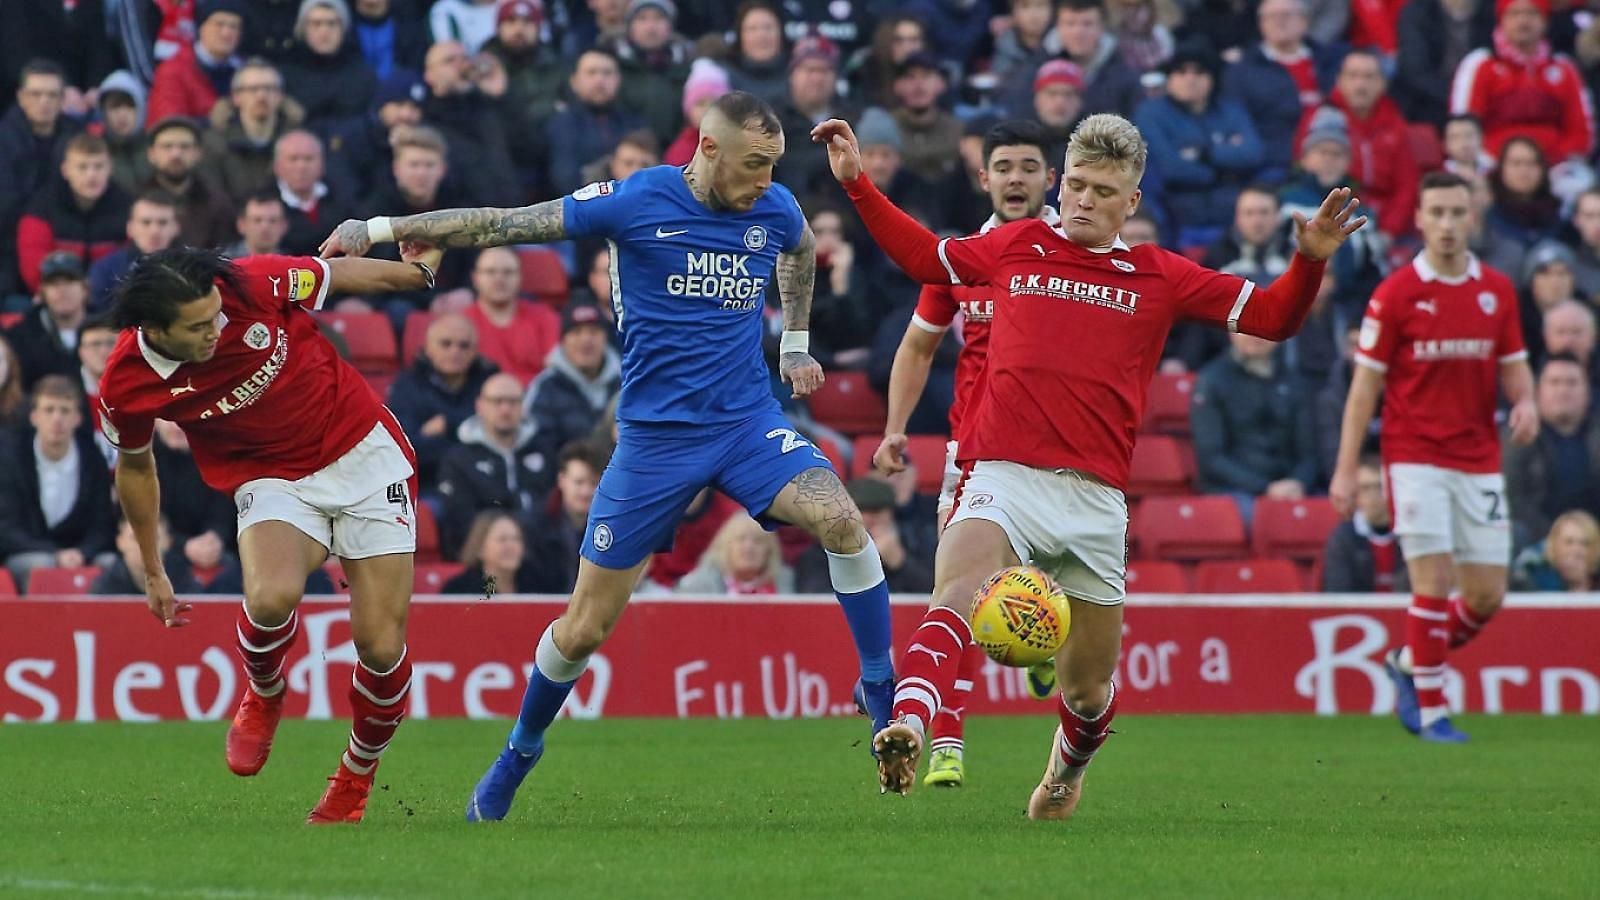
x=692, y=251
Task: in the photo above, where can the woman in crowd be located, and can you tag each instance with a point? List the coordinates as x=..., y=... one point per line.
x=1567, y=560
x=493, y=553
x=744, y=558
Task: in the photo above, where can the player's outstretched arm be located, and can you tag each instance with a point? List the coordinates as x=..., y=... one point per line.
x=415, y=272
x=140, y=494
x=1360, y=404
x=797, y=278
x=913, y=248
x=483, y=226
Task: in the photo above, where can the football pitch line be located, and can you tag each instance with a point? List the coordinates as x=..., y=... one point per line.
x=81, y=888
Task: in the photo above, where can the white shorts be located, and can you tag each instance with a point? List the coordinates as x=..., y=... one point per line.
x=1071, y=525
x=362, y=504
x=1439, y=510
x=947, y=489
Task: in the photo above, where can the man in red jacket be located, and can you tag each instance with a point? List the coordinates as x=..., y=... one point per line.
x=1380, y=152
x=190, y=82
x=1520, y=87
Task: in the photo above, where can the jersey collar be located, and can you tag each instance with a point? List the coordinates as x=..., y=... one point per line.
x=162, y=365
x=1426, y=272
x=1047, y=215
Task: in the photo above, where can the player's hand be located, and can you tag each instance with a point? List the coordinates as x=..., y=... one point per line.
x=844, y=153
x=890, y=458
x=1524, y=423
x=801, y=372
x=1342, y=492
x=163, y=603
x=1322, y=235
x=418, y=252
x=349, y=239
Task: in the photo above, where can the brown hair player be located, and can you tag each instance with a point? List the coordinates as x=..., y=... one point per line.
x=315, y=463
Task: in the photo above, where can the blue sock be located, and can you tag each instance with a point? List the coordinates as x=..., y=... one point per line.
x=552, y=680
x=863, y=594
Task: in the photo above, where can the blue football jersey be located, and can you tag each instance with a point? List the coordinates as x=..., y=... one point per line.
x=688, y=285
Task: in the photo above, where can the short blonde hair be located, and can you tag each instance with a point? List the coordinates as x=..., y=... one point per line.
x=1107, y=139
x=1586, y=525
x=738, y=525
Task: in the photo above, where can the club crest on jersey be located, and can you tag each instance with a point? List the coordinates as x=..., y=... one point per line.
x=302, y=284
x=1486, y=303
x=1123, y=264
x=258, y=337
x=602, y=537
x=755, y=237
x=591, y=191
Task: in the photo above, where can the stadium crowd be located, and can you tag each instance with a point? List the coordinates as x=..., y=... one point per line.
x=132, y=125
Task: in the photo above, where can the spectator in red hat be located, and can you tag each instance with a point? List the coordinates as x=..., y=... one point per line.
x=1519, y=88
x=533, y=71
x=758, y=61
x=813, y=98
x=1058, y=102
x=1434, y=36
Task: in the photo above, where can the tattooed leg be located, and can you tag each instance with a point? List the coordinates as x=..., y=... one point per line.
x=817, y=501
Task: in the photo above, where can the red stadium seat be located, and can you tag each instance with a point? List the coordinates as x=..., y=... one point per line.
x=416, y=334
x=429, y=578
x=1161, y=465
x=9, y=319
x=1157, y=577
x=1426, y=148
x=1292, y=529
x=846, y=402
x=1189, y=528
x=926, y=452
x=427, y=535
x=1248, y=576
x=832, y=452
x=371, y=340
x=1167, y=406
x=380, y=383
x=62, y=582
x=543, y=275
x=8, y=588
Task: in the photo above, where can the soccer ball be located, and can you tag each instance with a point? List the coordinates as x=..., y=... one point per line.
x=1020, y=617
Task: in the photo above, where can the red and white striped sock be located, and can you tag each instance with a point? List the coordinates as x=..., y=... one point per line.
x=929, y=667
x=377, y=706
x=1082, y=735
x=1428, y=637
x=948, y=724
x=264, y=649
x=1464, y=623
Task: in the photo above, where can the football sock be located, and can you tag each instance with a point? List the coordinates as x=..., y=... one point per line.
x=263, y=650
x=1428, y=636
x=378, y=703
x=552, y=680
x=863, y=594
x=948, y=722
x=1082, y=735
x=1464, y=623
x=929, y=667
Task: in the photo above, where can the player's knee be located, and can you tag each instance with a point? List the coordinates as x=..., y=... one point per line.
x=580, y=636
x=846, y=537
x=1484, y=601
x=1086, y=696
x=381, y=651
x=270, y=599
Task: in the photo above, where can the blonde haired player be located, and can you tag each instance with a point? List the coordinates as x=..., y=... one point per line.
x=1078, y=328
x=1437, y=337
x=1017, y=175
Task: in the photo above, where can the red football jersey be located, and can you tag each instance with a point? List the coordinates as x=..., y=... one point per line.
x=275, y=401
x=1075, y=340
x=1440, y=343
x=937, y=307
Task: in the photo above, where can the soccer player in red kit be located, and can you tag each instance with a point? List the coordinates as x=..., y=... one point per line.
x=314, y=462
x=1076, y=337
x=1017, y=175
x=1440, y=339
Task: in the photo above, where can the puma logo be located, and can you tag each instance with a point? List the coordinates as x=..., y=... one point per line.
x=1428, y=307
x=186, y=389
x=277, y=282
x=938, y=658
x=1042, y=251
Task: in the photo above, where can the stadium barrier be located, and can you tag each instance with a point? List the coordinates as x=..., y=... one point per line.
x=90, y=659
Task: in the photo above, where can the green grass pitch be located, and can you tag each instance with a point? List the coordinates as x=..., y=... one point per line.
x=1191, y=806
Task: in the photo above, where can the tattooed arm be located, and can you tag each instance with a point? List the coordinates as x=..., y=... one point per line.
x=797, y=275
x=461, y=227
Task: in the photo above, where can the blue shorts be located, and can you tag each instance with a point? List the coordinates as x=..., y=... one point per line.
x=657, y=469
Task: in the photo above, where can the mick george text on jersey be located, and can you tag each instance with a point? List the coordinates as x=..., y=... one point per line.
x=719, y=276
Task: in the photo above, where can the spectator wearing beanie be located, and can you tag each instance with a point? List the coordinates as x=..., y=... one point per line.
x=190, y=83
x=812, y=98
x=654, y=61
x=1279, y=80
x=706, y=83
x=533, y=71
x=1434, y=36
x=325, y=71
x=1058, y=103
x=930, y=134
x=1518, y=88
x=121, y=105
x=758, y=63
